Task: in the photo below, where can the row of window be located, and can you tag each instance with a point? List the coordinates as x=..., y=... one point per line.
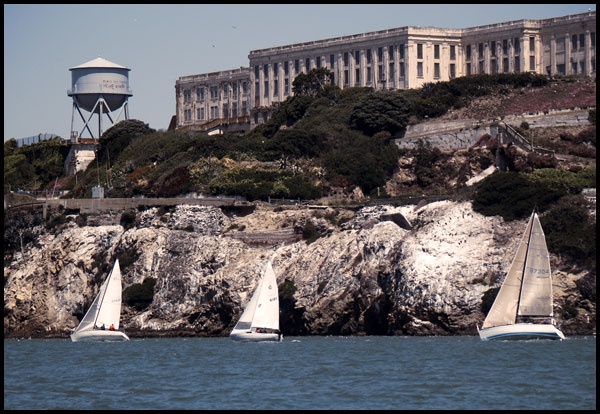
x=229, y=91
x=214, y=112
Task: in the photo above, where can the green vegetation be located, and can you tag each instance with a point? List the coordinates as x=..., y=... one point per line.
x=513, y=195
x=34, y=166
x=139, y=295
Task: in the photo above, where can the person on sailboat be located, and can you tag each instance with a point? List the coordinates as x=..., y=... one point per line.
x=112, y=327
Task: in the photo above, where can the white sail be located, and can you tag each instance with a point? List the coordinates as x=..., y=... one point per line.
x=266, y=314
x=106, y=308
x=504, y=309
x=245, y=321
x=536, y=293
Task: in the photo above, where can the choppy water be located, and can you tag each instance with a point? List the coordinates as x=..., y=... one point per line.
x=301, y=373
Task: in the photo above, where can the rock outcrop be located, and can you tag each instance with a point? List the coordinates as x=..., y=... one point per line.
x=381, y=270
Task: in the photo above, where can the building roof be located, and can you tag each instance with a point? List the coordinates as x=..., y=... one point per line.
x=99, y=63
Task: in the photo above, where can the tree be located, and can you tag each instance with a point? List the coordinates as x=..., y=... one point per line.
x=380, y=111
x=312, y=83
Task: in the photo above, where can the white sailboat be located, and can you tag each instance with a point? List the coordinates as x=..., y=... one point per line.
x=523, y=307
x=260, y=319
x=101, y=322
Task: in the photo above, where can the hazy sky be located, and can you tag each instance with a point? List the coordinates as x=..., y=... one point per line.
x=160, y=43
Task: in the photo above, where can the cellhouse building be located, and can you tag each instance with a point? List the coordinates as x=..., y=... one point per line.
x=398, y=58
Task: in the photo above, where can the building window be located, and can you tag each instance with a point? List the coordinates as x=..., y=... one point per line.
x=561, y=69
x=245, y=87
x=368, y=80
x=256, y=71
x=214, y=92
x=256, y=93
x=468, y=52
x=468, y=69
x=480, y=71
x=480, y=53
x=532, y=44
x=234, y=108
x=286, y=68
x=391, y=53
x=346, y=80
x=380, y=54
x=286, y=86
x=419, y=69
x=297, y=66
x=266, y=89
x=401, y=70
x=493, y=48
x=368, y=56
x=505, y=65
x=505, y=47
x=331, y=61
x=357, y=77
x=452, y=71
x=187, y=115
x=318, y=61
x=225, y=91
x=574, y=67
x=419, y=51
x=452, y=52
x=401, y=50
x=517, y=45
x=200, y=114
x=187, y=96
x=307, y=64
x=357, y=58
x=225, y=111
x=593, y=39
x=391, y=70
x=346, y=60
x=532, y=63
x=244, y=108
x=275, y=70
x=266, y=71
x=276, y=87
x=436, y=51
x=200, y=94
x=517, y=64
x=582, y=41
x=436, y=70
x=234, y=89
x=381, y=73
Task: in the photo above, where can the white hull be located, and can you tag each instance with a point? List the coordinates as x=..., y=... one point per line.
x=95, y=335
x=521, y=331
x=243, y=335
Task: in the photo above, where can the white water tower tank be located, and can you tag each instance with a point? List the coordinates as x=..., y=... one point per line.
x=99, y=87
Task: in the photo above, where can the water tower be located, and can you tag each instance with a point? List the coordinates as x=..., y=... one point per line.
x=100, y=88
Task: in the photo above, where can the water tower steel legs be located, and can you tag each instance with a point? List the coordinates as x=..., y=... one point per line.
x=99, y=108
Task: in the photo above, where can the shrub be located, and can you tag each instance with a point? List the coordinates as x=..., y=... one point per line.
x=128, y=219
x=514, y=195
x=139, y=295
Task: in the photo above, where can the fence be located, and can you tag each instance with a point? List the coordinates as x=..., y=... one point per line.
x=35, y=139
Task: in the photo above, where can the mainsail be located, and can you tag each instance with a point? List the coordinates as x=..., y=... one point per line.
x=263, y=309
x=527, y=288
x=106, y=308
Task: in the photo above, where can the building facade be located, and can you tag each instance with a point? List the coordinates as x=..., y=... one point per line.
x=398, y=58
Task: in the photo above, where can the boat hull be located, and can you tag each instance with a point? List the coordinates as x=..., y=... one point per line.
x=241, y=335
x=95, y=335
x=521, y=331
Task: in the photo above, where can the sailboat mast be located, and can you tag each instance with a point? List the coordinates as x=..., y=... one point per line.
x=524, y=265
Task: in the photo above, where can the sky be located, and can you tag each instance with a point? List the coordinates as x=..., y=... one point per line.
x=161, y=43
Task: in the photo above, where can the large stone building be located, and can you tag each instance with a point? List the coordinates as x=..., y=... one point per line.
x=399, y=58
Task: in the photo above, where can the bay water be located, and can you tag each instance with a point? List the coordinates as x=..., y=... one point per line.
x=372, y=372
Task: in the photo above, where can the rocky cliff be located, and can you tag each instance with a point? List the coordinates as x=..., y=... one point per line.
x=378, y=270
